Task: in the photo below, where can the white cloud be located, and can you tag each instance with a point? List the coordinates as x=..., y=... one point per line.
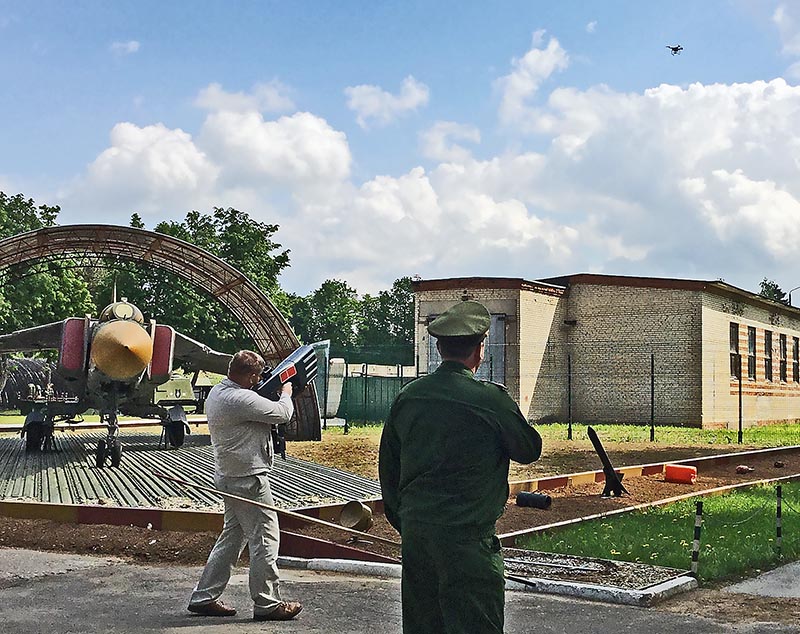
x=375, y=106
x=264, y=97
x=740, y=208
x=124, y=48
x=148, y=169
x=436, y=142
x=680, y=181
x=591, y=26
x=301, y=151
x=787, y=18
x=528, y=72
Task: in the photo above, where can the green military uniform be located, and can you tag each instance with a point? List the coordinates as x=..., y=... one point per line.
x=444, y=460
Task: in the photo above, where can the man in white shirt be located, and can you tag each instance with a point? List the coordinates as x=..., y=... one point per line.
x=240, y=422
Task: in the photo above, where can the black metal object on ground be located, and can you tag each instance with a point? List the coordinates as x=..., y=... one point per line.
x=614, y=486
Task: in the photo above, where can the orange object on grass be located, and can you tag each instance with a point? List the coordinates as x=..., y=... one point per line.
x=680, y=474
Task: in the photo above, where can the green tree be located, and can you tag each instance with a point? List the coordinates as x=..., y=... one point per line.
x=387, y=331
x=41, y=292
x=771, y=290
x=330, y=312
x=231, y=235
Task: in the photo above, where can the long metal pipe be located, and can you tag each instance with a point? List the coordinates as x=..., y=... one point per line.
x=279, y=511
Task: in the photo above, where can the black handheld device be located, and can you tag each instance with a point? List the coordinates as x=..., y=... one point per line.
x=299, y=369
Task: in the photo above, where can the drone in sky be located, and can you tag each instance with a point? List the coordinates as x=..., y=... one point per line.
x=675, y=50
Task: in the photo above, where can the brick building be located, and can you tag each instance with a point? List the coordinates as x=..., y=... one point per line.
x=623, y=349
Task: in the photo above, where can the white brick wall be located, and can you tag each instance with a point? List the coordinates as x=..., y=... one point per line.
x=762, y=401
x=616, y=330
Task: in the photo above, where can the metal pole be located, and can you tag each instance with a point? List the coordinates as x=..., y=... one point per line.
x=778, y=520
x=325, y=399
x=364, y=372
x=298, y=516
x=698, y=523
x=569, y=397
x=740, y=397
x=652, y=397
x=345, y=394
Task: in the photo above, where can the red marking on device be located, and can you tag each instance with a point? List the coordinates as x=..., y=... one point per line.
x=287, y=374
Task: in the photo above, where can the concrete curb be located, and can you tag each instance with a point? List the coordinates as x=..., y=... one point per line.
x=350, y=566
x=621, y=596
x=642, y=598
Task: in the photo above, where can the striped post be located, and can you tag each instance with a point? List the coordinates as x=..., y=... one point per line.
x=698, y=522
x=778, y=536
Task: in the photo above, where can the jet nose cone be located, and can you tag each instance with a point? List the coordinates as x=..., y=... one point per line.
x=121, y=349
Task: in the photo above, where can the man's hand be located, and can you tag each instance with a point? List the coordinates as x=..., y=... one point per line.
x=286, y=389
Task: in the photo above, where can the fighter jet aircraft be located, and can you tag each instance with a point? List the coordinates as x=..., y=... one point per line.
x=114, y=364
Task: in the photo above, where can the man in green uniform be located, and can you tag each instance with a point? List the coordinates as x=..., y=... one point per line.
x=443, y=467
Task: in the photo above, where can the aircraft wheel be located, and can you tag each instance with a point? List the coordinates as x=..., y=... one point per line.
x=176, y=433
x=33, y=438
x=116, y=453
x=102, y=452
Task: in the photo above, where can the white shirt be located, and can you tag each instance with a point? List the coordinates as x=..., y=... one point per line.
x=240, y=421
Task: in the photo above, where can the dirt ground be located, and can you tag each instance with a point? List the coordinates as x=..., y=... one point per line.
x=359, y=455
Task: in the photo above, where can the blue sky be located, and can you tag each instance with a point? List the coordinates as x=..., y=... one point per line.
x=521, y=139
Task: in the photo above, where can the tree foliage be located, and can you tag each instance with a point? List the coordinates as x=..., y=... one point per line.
x=387, y=325
x=771, y=290
x=373, y=329
x=330, y=312
x=230, y=234
x=37, y=293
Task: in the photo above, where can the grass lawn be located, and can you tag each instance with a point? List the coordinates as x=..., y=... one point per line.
x=738, y=534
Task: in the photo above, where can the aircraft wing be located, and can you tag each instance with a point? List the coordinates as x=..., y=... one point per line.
x=43, y=337
x=194, y=355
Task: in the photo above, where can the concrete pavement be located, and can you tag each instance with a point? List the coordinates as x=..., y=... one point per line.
x=62, y=594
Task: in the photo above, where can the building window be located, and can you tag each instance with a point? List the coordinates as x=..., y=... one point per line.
x=751, y=353
x=768, y=355
x=795, y=359
x=734, y=344
x=782, y=341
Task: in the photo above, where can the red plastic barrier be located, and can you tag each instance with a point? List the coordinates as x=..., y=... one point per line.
x=680, y=474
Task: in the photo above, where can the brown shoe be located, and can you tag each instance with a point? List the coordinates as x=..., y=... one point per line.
x=285, y=611
x=212, y=608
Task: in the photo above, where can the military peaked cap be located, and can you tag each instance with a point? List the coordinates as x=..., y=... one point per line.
x=465, y=319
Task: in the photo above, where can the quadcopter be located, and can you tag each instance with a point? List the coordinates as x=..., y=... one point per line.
x=675, y=50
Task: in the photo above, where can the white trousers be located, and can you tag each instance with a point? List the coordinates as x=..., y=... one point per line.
x=244, y=524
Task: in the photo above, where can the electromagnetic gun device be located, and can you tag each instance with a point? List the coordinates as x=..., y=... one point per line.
x=299, y=369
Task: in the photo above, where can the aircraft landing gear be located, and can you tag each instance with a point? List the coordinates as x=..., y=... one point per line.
x=116, y=452
x=176, y=433
x=100, y=455
x=174, y=428
x=34, y=437
x=38, y=431
x=109, y=447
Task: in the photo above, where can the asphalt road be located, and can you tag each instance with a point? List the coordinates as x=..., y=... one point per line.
x=59, y=594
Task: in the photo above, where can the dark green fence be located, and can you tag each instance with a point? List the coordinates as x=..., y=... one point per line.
x=368, y=398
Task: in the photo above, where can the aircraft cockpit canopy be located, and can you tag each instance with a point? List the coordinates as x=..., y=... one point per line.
x=121, y=310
